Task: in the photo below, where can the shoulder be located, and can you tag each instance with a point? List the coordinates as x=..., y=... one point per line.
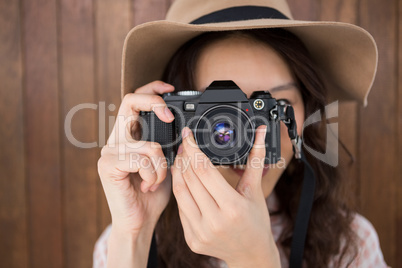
x=369, y=252
x=100, y=249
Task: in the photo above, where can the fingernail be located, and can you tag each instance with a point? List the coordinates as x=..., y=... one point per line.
x=180, y=150
x=167, y=85
x=145, y=189
x=185, y=132
x=154, y=187
x=168, y=113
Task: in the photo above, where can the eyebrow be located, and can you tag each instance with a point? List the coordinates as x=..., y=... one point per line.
x=283, y=87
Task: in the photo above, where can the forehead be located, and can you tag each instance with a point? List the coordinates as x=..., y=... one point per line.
x=252, y=65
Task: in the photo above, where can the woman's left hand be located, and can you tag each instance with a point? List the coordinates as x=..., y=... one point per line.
x=230, y=224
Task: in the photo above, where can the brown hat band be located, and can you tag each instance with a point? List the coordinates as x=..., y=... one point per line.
x=240, y=13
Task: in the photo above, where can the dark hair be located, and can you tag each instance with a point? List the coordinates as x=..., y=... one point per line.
x=329, y=233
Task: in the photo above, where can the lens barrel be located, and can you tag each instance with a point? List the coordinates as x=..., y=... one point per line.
x=225, y=134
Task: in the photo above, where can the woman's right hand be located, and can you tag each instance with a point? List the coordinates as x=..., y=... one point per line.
x=133, y=172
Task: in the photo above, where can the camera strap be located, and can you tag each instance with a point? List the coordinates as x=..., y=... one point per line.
x=303, y=215
x=286, y=115
x=153, y=254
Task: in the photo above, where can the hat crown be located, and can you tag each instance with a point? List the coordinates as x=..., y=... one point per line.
x=186, y=11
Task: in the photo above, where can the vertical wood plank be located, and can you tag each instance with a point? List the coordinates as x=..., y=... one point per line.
x=112, y=25
x=13, y=211
x=305, y=10
x=149, y=10
x=346, y=11
x=340, y=10
x=79, y=164
x=398, y=240
x=42, y=133
x=113, y=21
x=378, y=129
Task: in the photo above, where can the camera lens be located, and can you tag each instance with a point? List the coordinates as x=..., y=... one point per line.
x=224, y=133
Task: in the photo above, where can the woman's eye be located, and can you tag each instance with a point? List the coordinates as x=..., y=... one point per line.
x=283, y=102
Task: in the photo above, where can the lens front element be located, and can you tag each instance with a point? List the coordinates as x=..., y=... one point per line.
x=225, y=134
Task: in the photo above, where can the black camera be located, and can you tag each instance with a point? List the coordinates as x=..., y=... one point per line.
x=223, y=121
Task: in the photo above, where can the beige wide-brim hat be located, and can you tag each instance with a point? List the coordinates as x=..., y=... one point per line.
x=345, y=54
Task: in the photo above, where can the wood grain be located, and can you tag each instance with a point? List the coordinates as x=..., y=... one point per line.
x=305, y=10
x=42, y=133
x=79, y=164
x=398, y=178
x=378, y=160
x=148, y=10
x=110, y=34
x=346, y=11
x=13, y=211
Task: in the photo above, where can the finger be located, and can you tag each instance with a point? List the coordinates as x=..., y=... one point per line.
x=136, y=102
x=201, y=196
x=250, y=182
x=146, y=171
x=129, y=111
x=166, y=184
x=188, y=228
x=152, y=150
x=209, y=176
x=184, y=199
x=113, y=168
x=155, y=87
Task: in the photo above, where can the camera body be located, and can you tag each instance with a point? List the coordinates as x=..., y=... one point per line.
x=223, y=121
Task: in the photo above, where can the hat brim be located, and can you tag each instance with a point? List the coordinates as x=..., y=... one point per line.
x=345, y=54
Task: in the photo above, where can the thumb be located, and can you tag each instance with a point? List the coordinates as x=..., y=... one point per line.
x=250, y=183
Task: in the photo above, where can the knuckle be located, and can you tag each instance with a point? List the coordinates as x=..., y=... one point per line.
x=198, y=243
x=194, y=245
x=155, y=148
x=145, y=162
x=104, y=151
x=155, y=145
x=261, y=151
x=215, y=226
x=202, y=171
x=155, y=99
x=187, y=176
x=161, y=174
x=111, y=149
x=202, y=239
x=160, y=168
x=127, y=97
x=232, y=212
x=103, y=164
x=157, y=83
x=255, y=160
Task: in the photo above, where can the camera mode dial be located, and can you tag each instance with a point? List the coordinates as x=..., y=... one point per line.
x=189, y=93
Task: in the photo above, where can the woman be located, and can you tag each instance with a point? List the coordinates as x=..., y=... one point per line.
x=218, y=215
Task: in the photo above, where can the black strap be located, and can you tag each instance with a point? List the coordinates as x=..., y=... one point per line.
x=240, y=13
x=153, y=254
x=303, y=216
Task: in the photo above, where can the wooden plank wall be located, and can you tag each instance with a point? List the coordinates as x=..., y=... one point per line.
x=56, y=54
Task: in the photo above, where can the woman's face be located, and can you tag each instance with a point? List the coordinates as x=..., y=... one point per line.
x=253, y=66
